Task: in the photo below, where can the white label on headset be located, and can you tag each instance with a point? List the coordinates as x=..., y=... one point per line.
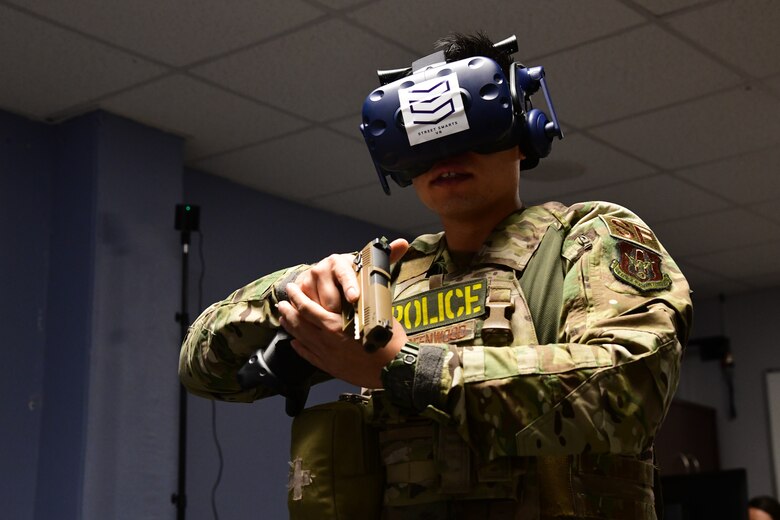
x=432, y=109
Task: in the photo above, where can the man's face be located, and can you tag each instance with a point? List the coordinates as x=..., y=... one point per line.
x=472, y=185
x=758, y=514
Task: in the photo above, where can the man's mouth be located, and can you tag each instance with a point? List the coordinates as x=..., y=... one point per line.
x=449, y=177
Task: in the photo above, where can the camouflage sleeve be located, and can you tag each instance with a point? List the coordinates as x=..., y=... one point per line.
x=607, y=385
x=228, y=333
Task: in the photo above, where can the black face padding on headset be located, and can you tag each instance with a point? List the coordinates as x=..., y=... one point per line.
x=445, y=109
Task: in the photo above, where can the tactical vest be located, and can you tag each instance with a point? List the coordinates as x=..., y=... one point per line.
x=429, y=472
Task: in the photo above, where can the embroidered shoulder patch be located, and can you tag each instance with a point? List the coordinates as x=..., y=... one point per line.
x=626, y=230
x=639, y=267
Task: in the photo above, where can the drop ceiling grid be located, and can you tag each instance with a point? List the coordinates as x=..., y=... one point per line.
x=656, y=199
x=307, y=72
x=721, y=125
x=742, y=263
x=571, y=22
x=628, y=74
x=173, y=32
x=599, y=165
x=54, y=69
x=402, y=210
x=212, y=119
x=742, y=33
x=304, y=165
x=743, y=179
x=661, y=117
x=705, y=284
x=715, y=232
x=768, y=210
x=665, y=7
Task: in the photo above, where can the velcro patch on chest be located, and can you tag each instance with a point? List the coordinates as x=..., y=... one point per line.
x=442, y=306
x=631, y=231
x=639, y=267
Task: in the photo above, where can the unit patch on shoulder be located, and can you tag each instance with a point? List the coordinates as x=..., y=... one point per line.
x=639, y=267
x=626, y=230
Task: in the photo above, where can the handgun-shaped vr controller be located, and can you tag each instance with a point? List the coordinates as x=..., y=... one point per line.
x=434, y=110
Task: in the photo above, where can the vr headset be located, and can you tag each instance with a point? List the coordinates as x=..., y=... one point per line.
x=433, y=110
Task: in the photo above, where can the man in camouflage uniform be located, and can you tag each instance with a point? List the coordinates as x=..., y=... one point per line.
x=484, y=412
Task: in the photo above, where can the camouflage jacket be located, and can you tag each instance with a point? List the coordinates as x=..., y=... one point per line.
x=602, y=388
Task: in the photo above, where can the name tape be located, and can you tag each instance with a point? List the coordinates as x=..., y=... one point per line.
x=463, y=331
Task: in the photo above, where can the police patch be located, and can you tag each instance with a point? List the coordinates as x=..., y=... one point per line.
x=639, y=267
x=443, y=306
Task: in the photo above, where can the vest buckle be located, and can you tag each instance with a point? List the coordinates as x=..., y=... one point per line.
x=497, y=329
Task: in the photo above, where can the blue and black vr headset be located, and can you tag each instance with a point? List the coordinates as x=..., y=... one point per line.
x=433, y=110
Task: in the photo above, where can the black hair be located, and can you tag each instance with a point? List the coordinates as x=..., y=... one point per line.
x=766, y=504
x=457, y=46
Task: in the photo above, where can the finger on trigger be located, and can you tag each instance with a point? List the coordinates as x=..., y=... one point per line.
x=345, y=274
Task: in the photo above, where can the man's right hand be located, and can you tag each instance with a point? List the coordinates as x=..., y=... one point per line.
x=326, y=280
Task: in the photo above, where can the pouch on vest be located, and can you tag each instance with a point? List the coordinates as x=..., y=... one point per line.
x=330, y=475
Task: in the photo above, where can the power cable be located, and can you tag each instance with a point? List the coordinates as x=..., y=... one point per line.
x=214, y=433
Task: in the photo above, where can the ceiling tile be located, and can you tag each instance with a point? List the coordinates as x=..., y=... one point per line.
x=768, y=210
x=321, y=73
x=339, y=4
x=299, y=167
x=661, y=7
x=419, y=24
x=177, y=33
x=715, y=232
x=628, y=74
x=721, y=125
x=577, y=164
x=349, y=125
x=744, y=262
x=753, y=177
x=46, y=69
x=654, y=199
x=743, y=33
x=763, y=282
x=774, y=85
x=402, y=210
x=705, y=284
x=210, y=119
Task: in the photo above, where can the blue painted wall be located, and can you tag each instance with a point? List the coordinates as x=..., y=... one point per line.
x=26, y=171
x=68, y=321
x=75, y=197
x=91, y=277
